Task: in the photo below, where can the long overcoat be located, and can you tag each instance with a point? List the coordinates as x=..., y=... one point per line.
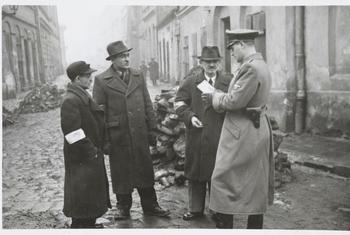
x=242, y=181
x=201, y=143
x=154, y=70
x=129, y=119
x=86, y=192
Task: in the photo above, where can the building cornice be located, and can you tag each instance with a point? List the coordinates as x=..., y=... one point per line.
x=149, y=14
x=185, y=11
x=167, y=18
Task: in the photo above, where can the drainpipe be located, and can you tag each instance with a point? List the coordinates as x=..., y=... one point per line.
x=300, y=106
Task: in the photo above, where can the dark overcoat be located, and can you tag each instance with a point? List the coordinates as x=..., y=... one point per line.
x=242, y=181
x=86, y=186
x=154, y=70
x=201, y=143
x=129, y=119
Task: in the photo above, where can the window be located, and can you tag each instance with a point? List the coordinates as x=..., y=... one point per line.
x=257, y=21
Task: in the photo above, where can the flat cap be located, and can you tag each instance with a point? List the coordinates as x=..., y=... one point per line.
x=78, y=68
x=237, y=35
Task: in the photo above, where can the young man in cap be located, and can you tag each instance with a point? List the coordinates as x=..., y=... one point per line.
x=86, y=195
x=203, y=128
x=242, y=181
x=130, y=121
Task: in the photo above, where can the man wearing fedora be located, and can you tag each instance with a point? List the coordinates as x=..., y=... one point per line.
x=86, y=195
x=130, y=121
x=203, y=128
x=242, y=181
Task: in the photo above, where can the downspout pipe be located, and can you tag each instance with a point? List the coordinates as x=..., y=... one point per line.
x=300, y=104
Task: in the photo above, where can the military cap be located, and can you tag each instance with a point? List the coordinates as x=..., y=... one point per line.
x=78, y=68
x=237, y=35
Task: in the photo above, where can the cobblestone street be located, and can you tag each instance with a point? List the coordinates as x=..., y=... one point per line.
x=33, y=176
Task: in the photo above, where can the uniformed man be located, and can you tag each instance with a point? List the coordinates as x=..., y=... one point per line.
x=86, y=195
x=203, y=127
x=242, y=181
x=130, y=120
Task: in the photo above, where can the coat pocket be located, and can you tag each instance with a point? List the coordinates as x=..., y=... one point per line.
x=117, y=130
x=234, y=130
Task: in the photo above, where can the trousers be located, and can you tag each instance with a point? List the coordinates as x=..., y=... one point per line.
x=147, y=195
x=197, y=191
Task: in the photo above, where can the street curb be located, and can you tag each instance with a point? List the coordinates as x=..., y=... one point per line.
x=308, y=160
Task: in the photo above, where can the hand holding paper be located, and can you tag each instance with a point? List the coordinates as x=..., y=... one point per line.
x=205, y=87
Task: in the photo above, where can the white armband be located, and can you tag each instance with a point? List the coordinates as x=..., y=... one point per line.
x=75, y=136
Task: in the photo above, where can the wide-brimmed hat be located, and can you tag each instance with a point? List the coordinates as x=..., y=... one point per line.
x=238, y=35
x=79, y=68
x=210, y=53
x=115, y=48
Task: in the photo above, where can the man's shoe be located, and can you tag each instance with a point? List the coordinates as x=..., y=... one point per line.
x=99, y=226
x=122, y=214
x=156, y=211
x=192, y=215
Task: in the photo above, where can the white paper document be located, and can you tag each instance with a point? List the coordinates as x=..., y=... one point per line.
x=205, y=87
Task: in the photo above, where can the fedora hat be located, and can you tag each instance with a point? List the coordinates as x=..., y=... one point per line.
x=115, y=48
x=210, y=53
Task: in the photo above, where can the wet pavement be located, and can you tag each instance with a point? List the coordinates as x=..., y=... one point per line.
x=33, y=176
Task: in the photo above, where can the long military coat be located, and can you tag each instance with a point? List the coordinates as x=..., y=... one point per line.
x=243, y=177
x=129, y=118
x=201, y=143
x=85, y=186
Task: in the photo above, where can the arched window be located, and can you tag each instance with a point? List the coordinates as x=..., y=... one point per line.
x=20, y=56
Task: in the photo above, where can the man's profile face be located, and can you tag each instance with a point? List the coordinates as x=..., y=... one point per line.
x=210, y=66
x=237, y=51
x=121, y=61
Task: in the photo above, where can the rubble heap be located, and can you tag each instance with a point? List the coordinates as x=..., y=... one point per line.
x=7, y=117
x=170, y=148
x=169, y=154
x=41, y=99
x=283, y=167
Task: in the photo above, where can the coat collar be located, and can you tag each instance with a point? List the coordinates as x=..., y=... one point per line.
x=255, y=56
x=78, y=91
x=84, y=96
x=247, y=60
x=116, y=83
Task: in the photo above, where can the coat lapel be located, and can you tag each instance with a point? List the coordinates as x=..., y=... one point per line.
x=133, y=81
x=222, y=83
x=114, y=81
x=200, y=77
